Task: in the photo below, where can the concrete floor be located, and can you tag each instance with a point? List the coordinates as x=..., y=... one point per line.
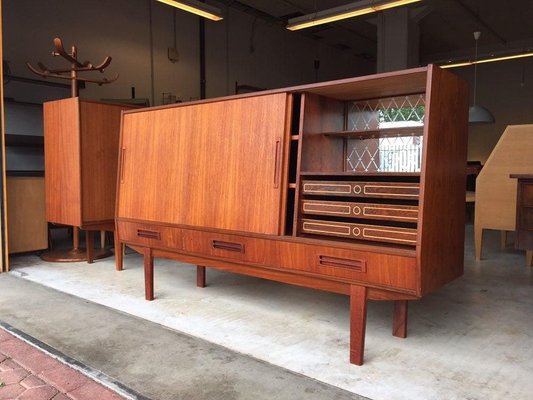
x=473, y=339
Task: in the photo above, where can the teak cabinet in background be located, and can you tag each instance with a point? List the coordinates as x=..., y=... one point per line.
x=81, y=157
x=353, y=186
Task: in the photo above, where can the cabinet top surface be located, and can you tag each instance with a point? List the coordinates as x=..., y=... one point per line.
x=88, y=101
x=363, y=87
x=521, y=176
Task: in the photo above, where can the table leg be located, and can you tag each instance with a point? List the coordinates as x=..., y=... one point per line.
x=119, y=254
x=358, y=300
x=148, y=274
x=89, y=246
x=399, y=321
x=200, y=276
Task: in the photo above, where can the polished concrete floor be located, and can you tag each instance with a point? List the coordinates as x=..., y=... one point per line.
x=472, y=339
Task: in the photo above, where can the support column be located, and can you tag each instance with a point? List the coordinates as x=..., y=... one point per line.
x=398, y=40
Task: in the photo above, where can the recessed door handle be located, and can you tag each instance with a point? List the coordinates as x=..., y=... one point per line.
x=229, y=246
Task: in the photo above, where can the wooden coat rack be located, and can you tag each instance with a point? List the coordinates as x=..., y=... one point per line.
x=75, y=68
x=72, y=74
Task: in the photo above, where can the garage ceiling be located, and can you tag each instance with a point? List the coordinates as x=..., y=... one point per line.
x=446, y=26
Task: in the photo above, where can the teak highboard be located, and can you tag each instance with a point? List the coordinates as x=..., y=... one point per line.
x=354, y=186
x=81, y=157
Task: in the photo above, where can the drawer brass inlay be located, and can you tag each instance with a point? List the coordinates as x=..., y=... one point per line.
x=387, y=237
x=368, y=190
x=323, y=188
x=367, y=212
x=308, y=227
x=326, y=208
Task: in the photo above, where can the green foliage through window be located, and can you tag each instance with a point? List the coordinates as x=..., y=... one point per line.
x=402, y=114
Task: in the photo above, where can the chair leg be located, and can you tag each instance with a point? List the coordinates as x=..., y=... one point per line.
x=478, y=240
x=503, y=239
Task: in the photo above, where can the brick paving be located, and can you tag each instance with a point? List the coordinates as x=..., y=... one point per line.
x=26, y=373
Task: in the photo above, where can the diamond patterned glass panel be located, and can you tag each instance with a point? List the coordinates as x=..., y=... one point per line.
x=392, y=112
x=390, y=152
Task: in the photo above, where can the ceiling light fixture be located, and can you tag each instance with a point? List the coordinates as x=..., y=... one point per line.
x=478, y=114
x=196, y=7
x=488, y=60
x=342, y=12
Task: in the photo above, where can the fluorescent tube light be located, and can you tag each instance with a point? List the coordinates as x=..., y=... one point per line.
x=487, y=60
x=196, y=7
x=342, y=12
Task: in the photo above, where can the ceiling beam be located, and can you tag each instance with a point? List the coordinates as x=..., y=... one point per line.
x=481, y=21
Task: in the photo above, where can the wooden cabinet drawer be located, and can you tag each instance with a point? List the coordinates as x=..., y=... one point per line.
x=385, y=190
x=226, y=246
x=386, y=270
x=360, y=210
x=350, y=230
x=150, y=235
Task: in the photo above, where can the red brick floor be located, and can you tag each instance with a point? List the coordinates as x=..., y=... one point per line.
x=27, y=373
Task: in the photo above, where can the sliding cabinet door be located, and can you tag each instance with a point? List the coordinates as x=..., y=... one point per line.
x=217, y=165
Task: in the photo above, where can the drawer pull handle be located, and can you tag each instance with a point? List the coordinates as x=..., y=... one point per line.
x=229, y=246
x=148, y=234
x=357, y=265
x=122, y=160
x=277, y=163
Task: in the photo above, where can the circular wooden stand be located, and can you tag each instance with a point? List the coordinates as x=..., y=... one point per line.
x=73, y=255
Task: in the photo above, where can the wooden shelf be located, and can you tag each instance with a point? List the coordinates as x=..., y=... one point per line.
x=24, y=173
x=292, y=185
x=295, y=137
x=357, y=173
x=14, y=140
x=379, y=133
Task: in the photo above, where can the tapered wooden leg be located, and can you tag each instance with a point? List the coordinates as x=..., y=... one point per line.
x=102, y=239
x=478, y=240
x=200, y=276
x=529, y=258
x=399, y=320
x=148, y=274
x=503, y=239
x=119, y=255
x=89, y=246
x=75, y=237
x=358, y=299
